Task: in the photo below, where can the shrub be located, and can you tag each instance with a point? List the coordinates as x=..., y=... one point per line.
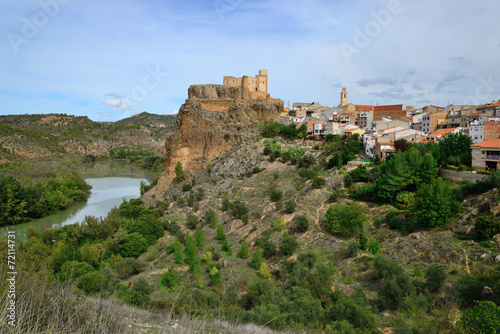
x=243, y=253
x=92, y=282
x=306, y=161
x=318, y=182
x=128, y=267
x=240, y=211
x=301, y=224
x=134, y=245
x=226, y=205
x=486, y=227
x=275, y=195
x=290, y=206
x=187, y=187
x=352, y=249
x=396, y=223
x=170, y=278
x=345, y=219
x=73, y=270
x=221, y=235
x=192, y=221
x=257, y=259
x=484, y=318
x=288, y=244
x=279, y=224
x=211, y=218
x=375, y=248
x=363, y=241
x=307, y=174
x=435, y=277
x=264, y=271
x=393, y=292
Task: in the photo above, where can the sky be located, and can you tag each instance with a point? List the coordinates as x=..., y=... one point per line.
x=112, y=59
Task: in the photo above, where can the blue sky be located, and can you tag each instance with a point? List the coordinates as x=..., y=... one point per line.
x=112, y=59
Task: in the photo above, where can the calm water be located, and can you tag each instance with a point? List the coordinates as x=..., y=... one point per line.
x=106, y=193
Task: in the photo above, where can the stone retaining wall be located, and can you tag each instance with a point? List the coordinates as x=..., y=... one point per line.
x=458, y=176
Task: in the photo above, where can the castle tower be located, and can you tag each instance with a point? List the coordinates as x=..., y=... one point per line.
x=343, y=97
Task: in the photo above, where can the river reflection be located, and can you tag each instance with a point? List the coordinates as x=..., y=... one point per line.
x=106, y=193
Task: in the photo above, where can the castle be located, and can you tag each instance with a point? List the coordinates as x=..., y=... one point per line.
x=246, y=90
x=249, y=88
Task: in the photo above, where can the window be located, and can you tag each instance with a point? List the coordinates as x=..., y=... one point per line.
x=477, y=152
x=478, y=163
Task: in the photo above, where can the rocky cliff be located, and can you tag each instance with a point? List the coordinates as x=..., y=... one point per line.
x=199, y=135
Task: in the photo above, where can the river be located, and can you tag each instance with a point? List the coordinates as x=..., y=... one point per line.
x=106, y=193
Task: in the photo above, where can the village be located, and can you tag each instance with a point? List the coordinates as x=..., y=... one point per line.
x=381, y=126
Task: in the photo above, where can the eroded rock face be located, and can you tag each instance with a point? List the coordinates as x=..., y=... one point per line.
x=199, y=136
x=212, y=92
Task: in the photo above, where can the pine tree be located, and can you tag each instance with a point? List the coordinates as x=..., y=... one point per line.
x=257, y=259
x=190, y=249
x=243, y=253
x=264, y=271
x=179, y=172
x=199, y=238
x=221, y=235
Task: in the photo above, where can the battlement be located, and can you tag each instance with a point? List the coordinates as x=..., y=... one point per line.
x=252, y=88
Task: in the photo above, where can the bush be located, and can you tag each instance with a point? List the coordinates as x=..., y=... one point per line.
x=279, y=224
x=92, y=282
x=486, y=227
x=435, y=277
x=288, y=244
x=187, y=187
x=134, y=245
x=344, y=219
x=275, y=195
x=306, y=161
x=257, y=259
x=170, y=278
x=240, y=211
x=226, y=205
x=375, y=248
x=435, y=204
x=396, y=223
x=243, y=253
x=484, y=318
x=301, y=224
x=307, y=174
x=318, y=182
x=192, y=221
x=128, y=267
x=290, y=206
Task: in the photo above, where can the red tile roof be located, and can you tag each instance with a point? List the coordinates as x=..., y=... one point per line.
x=490, y=143
x=441, y=132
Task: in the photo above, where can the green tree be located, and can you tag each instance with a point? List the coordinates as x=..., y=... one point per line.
x=275, y=195
x=257, y=259
x=301, y=224
x=435, y=204
x=288, y=244
x=199, y=238
x=170, y=278
x=221, y=234
x=190, y=249
x=264, y=271
x=456, y=150
x=435, y=276
x=484, y=318
x=486, y=227
x=243, y=253
x=134, y=245
x=345, y=219
x=179, y=172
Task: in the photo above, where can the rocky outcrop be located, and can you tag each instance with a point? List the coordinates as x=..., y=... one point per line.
x=200, y=136
x=212, y=92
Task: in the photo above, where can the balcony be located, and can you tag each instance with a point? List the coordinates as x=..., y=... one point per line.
x=492, y=157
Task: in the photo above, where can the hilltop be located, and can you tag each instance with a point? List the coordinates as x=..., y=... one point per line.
x=55, y=136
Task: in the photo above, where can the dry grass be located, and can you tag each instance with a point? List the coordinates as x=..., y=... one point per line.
x=45, y=305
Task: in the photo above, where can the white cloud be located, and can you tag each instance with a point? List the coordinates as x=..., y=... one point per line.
x=118, y=104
